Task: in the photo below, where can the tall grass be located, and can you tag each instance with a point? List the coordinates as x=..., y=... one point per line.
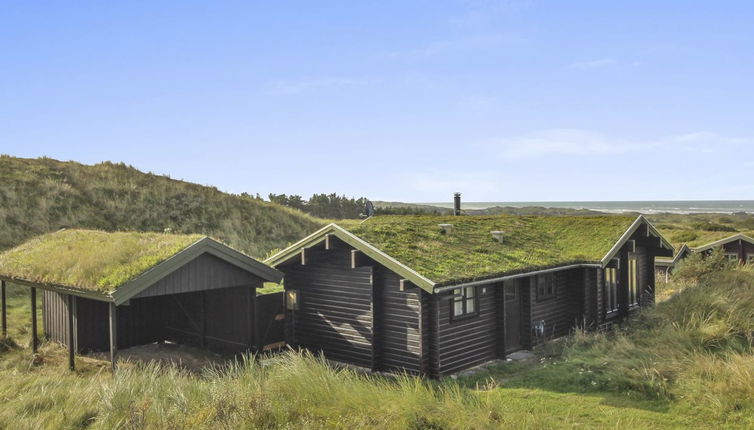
x=693, y=351
x=687, y=363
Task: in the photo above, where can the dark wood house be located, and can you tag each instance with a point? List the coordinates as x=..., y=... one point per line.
x=436, y=295
x=115, y=290
x=737, y=248
x=664, y=265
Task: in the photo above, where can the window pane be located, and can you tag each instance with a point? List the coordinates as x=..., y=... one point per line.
x=470, y=306
x=458, y=308
x=470, y=291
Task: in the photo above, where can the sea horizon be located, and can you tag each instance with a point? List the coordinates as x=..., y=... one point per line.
x=645, y=207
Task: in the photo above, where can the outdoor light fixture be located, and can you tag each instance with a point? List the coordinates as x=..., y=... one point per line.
x=291, y=300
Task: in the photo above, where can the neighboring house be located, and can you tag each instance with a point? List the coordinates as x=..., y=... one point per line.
x=436, y=295
x=738, y=248
x=104, y=291
x=665, y=266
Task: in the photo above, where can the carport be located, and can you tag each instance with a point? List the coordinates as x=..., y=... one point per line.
x=103, y=291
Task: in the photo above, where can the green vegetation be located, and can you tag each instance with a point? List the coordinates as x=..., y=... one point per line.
x=43, y=195
x=470, y=251
x=701, y=229
x=693, y=353
x=330, y=206
x=693, y=229
x=688, y=363
x=90, y=260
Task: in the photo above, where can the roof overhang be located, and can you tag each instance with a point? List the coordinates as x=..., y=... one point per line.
x=428, y=285
x=518, y=275
x=145, y=280
x=673, y=261
x=94, y=295
x=651, y=230
x=203, y=246
x=735, y=237
x=358, y=243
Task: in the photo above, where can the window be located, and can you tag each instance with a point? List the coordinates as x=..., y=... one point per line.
x=611, y=289
x=732, y=257
x=633, y=282
x=545, y=286
x=464, y=301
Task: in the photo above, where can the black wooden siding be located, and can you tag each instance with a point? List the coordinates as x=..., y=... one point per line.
x=561, y=312
x=470, y=340
x=91, y=325
x=206, y=272
x=335, y=315
x=591, y=298
x=400, y=331
x=207, y=302
x=55, y=316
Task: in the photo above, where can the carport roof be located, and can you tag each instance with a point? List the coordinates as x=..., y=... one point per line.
x=113, y=266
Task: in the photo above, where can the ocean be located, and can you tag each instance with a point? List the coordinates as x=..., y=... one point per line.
x=645, y=207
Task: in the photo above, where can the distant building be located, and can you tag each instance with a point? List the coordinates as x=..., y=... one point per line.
x=738, y=248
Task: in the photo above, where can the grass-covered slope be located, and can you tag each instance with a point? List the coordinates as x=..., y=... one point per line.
x=686, y=364
x=90, y=260
x=470, y=251
x=43, y=195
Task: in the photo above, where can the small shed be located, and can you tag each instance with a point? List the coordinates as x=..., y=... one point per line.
x=103, y=291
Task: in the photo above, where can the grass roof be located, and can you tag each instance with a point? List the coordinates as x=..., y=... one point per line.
x=470, y=251
x=90, y=260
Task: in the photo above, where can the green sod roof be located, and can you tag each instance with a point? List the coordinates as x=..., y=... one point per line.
x=470, y=252
x=90, y=260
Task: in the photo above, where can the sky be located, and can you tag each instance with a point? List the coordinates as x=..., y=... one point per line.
x=392, y=100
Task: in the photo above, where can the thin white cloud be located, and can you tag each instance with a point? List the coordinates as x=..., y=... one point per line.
x=290, y=87
x=592, y=64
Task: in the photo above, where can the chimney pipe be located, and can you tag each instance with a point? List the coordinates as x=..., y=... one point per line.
x=456, y=204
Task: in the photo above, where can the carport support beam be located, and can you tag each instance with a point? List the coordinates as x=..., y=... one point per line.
x=34, y=340
x=71, y=340
x=4, y=309
x=113, y=316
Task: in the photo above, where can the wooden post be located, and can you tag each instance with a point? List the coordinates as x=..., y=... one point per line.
x=4, y=309
x=250, y=318
x=203, y=327
x=113, y=334
x=71, y=340
x=34, y=340
x=258, y=341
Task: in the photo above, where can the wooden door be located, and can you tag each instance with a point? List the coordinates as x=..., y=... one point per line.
x=512, y=299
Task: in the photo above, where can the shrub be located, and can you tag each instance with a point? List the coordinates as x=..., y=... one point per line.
x=698, y=264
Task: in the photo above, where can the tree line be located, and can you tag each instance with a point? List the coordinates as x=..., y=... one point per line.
x=323, y=205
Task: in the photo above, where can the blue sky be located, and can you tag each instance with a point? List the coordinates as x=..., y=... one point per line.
x=410, y=101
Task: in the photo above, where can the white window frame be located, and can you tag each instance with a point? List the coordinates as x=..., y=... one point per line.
x=465, y=302
x=633, y=281
x=611, y=289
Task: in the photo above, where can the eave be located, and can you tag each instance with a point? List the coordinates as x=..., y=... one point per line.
x=358, y=243
x=735, y=237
